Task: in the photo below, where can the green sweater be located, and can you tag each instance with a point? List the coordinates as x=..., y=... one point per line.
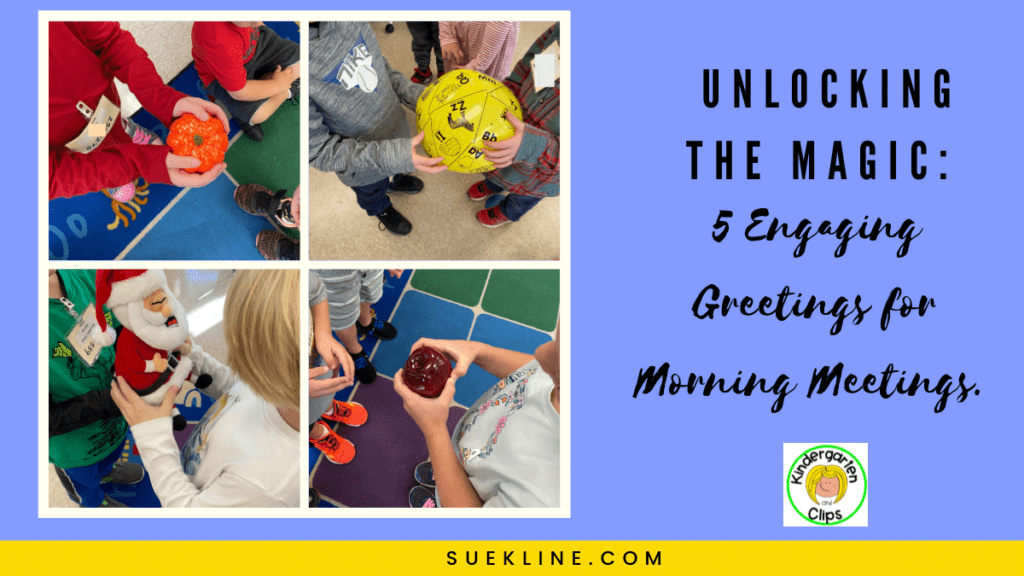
x=86, y=434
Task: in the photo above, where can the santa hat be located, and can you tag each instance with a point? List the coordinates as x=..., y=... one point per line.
x=119, y=287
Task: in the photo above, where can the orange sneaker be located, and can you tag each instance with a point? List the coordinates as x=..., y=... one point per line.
x=334, y=447
x=348, y=413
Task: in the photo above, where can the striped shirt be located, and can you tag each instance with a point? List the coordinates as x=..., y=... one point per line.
x=487, y=47
x=535, y=171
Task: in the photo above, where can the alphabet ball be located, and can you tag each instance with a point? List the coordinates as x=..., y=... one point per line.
x=461, y=114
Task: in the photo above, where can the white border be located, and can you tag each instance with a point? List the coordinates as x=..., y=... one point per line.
x=303, y=265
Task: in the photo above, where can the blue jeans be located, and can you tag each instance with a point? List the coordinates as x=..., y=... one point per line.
x=83, y=483
x=374, y=197
x=514, y=205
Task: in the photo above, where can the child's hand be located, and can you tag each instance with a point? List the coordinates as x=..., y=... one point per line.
x=335, y=355
x=452, y=52
x=395, y=273
x=430, y=414
x=185, y=347
x=134, y=409
x=320, y=388
x=426, y=163
x=175, y=169
x=283, y=77
x=503, y=153
x=463, y=352
x=201, y=109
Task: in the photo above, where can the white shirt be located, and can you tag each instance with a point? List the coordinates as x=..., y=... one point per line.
x=241, y=454
x=508, y=442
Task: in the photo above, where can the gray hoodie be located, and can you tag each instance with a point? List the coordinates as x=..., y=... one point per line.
x=357, y=126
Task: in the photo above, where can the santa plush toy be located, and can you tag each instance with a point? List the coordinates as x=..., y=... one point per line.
x=154, y=325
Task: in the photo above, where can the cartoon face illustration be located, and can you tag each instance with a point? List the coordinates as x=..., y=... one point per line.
x=827, y=487
x=826, y=482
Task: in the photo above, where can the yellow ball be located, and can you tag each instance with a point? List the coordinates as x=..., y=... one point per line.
x=460, y=114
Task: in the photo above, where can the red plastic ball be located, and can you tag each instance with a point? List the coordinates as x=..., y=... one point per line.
x=426, y=372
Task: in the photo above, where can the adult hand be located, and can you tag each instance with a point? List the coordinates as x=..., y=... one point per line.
x=430, y=414
x=134, y=409
x=463, y=352
x=503, y=153
x=426, y=163
x=179, y=177
x=201, y=109
x=452, y=53
x=335, y=355
x=322, y=387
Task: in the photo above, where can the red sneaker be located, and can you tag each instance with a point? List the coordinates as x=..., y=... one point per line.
x=336, y=448
x=348, y=413
x=421, y=76
x=492, y=217
x=478, y=191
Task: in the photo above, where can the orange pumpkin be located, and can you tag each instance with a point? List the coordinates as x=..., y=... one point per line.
x=190, y=136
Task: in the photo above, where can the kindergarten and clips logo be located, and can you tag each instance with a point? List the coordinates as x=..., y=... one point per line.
x=826, y=485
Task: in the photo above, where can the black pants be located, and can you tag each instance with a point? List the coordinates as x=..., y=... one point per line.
x=426, y=35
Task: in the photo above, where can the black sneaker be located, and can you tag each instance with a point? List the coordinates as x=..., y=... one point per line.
x=407, y=184
x=314, y=498
x=253, y=131
x=379, y=329
x=393, y=221
x=273, y=245
x=420, y=497
x=257, y=200
x=125, y=473
x=365, y=371
x=424, y=474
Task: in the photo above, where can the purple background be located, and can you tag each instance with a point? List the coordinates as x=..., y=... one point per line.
x=710, y=468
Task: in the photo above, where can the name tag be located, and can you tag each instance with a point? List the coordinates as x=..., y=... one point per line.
x=546, y=67
x=80, y=337
x=101, y=120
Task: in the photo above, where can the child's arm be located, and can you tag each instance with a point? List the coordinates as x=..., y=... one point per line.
x=223, y=377
x=81, y=411
x=431, y=414
x=162, y=459
x=131, y=65
x=494, y=37
x=407, y=90
x=279, y=81
x=74, y=174
x=330, y=152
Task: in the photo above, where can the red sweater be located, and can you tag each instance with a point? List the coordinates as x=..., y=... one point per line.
x=221, y=50
x=85, y=57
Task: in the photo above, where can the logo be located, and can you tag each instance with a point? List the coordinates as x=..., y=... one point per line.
x=356, y=69
x=825, y=485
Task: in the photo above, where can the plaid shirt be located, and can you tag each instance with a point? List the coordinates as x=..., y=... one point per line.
x=536, y=168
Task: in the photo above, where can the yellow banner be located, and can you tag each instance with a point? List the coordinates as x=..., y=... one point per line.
x=354, y=557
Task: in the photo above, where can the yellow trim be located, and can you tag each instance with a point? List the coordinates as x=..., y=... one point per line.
x=789, y=557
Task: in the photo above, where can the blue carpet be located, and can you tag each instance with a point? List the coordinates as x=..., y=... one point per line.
x=502, y=334
x=421, y=316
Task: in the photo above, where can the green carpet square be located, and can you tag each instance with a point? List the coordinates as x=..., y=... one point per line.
x=274, y=162
x=462, y=286
x=527, y=296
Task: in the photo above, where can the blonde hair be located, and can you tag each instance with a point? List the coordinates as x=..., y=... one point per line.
x=261, y=325
x=819, y=472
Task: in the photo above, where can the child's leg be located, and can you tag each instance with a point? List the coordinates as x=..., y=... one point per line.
x=421, y=43
x=515, y=205
x=368, y=324
x=83, y=483
x=269, y=106
x=373, y=197
x=435, y=43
